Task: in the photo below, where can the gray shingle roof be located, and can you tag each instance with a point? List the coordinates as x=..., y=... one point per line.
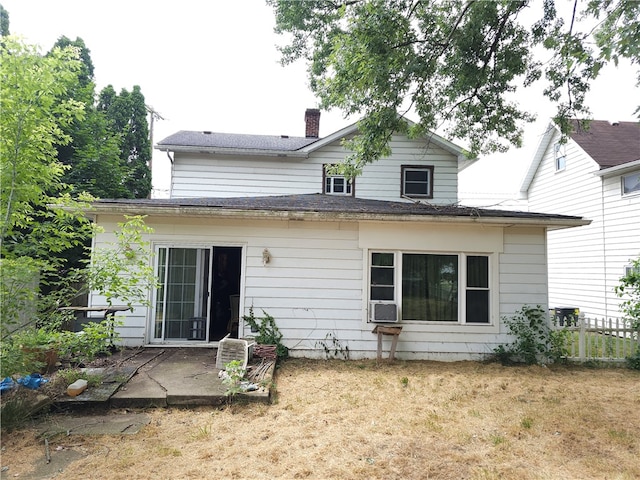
x=609, y=144
x=210, y=140
x=321, y=203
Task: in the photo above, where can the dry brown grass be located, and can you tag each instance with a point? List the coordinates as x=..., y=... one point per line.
x=360, y=420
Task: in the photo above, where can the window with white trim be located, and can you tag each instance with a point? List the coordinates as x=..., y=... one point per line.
x=417, y=181
x=431, y=287
x=559, y=156
x=631, y=184
x=336, y=184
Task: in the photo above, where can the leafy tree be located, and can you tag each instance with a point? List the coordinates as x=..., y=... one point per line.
x=35, y=109
x=95, y=164
x=40, y=221
x=123, y=269
x=83, y=91
x=458, y=64
x=127, y=114
x=93, y=154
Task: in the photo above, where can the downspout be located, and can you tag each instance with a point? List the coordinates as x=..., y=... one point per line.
x=171, y=174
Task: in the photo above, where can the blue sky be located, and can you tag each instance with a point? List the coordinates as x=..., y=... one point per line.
x=213, y=65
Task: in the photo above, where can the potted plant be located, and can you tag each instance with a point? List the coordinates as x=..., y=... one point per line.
x=268, y=336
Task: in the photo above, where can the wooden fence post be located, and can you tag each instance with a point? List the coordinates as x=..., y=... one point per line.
x=582, y=348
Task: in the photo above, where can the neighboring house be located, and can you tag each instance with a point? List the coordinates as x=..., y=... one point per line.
x=595, y=175
x=256, y=221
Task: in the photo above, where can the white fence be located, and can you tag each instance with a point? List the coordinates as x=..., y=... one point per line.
x=605, y=340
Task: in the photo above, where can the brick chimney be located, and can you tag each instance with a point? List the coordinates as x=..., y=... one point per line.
x=312, y=120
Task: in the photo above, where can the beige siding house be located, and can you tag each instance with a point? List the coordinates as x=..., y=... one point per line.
x=595, y=175
x=256, y=221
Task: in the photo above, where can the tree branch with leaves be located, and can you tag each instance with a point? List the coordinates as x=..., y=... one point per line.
x=460, y=65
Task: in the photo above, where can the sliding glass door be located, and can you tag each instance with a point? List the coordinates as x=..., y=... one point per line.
x=182, y=298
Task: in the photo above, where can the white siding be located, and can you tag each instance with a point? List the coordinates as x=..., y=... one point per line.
x=202, y=175
x=621, y=238
x=316, y=281
x=523, y=270
x=575, y=255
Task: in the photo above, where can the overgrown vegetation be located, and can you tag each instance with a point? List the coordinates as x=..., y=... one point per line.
x=44, y=231
x=266, y=332
x=120, y=271
x=357, y=420
x=535, y=342
x=234, y=374
x=70, y=375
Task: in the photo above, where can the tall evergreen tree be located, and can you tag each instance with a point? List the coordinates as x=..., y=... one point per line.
x=93, y=153
x=127, y=114
x=110, y=148
x=4, y=22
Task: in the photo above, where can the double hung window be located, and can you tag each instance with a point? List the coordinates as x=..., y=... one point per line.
x=417, y=181
x=336, y=184
x=559, y=157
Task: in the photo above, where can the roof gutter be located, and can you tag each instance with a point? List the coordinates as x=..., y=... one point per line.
x=618, y=169
x=231, y=213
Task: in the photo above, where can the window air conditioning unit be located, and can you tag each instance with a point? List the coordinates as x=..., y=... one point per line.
x=383, y=312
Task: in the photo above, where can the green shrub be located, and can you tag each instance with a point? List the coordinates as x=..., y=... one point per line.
x=535, y=341
x=82, y=347
x=633, y=361
x=267, y=331
x=24, y=351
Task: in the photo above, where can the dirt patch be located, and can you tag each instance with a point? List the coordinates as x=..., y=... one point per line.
x=362, y=420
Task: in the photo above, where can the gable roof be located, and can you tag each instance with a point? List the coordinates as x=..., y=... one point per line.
x=317, y=206
x=274, y=145
x=209, y=142
x=608, y=144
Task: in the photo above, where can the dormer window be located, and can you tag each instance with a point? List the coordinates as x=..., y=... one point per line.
x=417, y=181
x=336, y=184
x=559, y=156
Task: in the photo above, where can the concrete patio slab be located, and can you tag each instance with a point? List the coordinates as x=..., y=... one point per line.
x=181, y=376
x=161, y=377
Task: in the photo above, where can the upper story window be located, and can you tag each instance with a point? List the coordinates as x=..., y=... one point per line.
x=559, y=156
x=336, y=184
x=417, y=181
x=631, y=183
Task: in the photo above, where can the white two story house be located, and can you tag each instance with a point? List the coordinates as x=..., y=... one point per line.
x=256, y=221
x=595, y=175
